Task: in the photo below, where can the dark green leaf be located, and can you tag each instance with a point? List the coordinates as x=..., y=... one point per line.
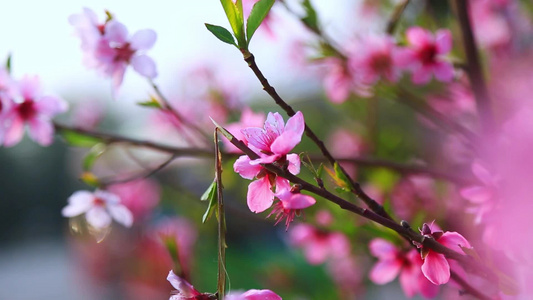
x=91, y=157
x=79, y=139
x=310, y=19
x=221, y=33
x=257, y=15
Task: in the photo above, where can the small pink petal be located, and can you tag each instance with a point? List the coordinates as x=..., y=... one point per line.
x=291, y=136
x=79, y=203
x=245, y=169
x=259, y=196
x=29, y=86
x=422, y=75
x=121, y=214
x=184, y=288
x=384, y=271
x=41, y=131
x=294, y=163
x=14, y=132
x=260, y=295
x=443, y=41
x=51, y=106
x=98, y=217
x=118, y=75
x=116, y=32
x=477, y=194
x=275, y=123
x=443, y=71
x=266, y=159
x=382, y=249
x=436, y=268
x=144, y=65
x=257, y=138
x=482, y=173
x=418, y=36
x=295, y=200
x=452, y=240
x=143, y=39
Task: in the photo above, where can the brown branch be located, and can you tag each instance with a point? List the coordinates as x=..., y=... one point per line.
x=473, y=68
x=356, y=188
x=106, y=182
x=396, y=15
x=404, y=231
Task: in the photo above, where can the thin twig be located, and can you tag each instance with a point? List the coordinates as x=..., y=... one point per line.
x=473, y=69
x=221, y=281
x=111, y=181
x=467, y=288
x=396, y=15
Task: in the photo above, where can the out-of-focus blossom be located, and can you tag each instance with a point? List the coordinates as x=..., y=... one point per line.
x=100, y=208
x=408, y=265
x=34, y=109
x=413, y=194
x=319, y=245
x=436, y=267
x=139, y=196
x=339, y=81
x=346, y=144
x=266, y=25
x=482, y=196
x=272, y=143
x=183, y=233
x=375, y=57
x=7, y=90
x=253, y=295
x=248, y=119
x=87, y=114
x=184, y=290
x=425, y=55
x=109, y=48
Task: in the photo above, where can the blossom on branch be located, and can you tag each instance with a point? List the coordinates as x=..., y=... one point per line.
x=100, y=208
x=253, y=295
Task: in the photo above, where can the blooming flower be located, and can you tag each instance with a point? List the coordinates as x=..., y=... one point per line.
x=253, y=295
x=99, y=207
x=108, y=48
x=376, y=57
x=33, y=109
x=248, y=119
x=392, y=261
x=319, y=245
x=290, y=204
x=436, y=267
x=272, y=143
x=424, y=56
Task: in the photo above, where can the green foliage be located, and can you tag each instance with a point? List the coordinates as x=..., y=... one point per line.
x=257, y=15
x=91, y=157
x=77, y=139
x=152, y=103
x=236, y=19
x=211, y=195
x=311, y=18
x=221, y=33
x=8, y=63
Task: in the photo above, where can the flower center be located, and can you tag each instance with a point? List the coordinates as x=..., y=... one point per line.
x=26, y=109
x=381, y=62
x=427, y=54
x=123, y=53
x=98, y=202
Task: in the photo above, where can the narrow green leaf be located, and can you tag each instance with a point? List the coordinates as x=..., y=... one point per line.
x=79, y=140
x=223, y=130
x=153, y=103
x=258, y=14
x=221, y=33
x=235, y=17
x=91, y=157
x=208, y=194
x=8, y=64
x=310, y=19
x=340, y=175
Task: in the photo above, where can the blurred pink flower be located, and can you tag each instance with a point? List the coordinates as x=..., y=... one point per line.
x=184, y=234
x=139, y=196
x=99, y=208
x=375, y=57
x=319, y=245
x=35, y=110
x=346, y=144
x=87, y=114
x=412, y=194
x=184, y=290
x=482, y=196
x=248, y=119
x=339, y=81
x=253, y=295
x=436, y=267
x=425, y=55
x=392, y=262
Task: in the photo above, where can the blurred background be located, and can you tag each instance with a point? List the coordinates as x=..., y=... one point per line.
x=47, y=256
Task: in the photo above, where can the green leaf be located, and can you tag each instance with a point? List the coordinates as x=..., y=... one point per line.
x=8, y=63
x=340, y=175
x=91, y=157
x=90, y=179
x=257, y=15
x=211, y=195
x=77, y=139
x=310, y=19
x=221, y=33
x=235, y=17
x=223, y=130
x=153, y=103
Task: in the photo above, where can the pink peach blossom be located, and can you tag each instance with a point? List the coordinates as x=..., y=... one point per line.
x=436, y=267
x=248, y=119
x=34, y=109
x=319, y=245
x=290, y=204
x=184, y=234
x=139, y=196
x=253, y=295
x=184, y=290
x=425, y=55
x=340, y=81
x=375, y=57
x=100, y=208
x=392, y=262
